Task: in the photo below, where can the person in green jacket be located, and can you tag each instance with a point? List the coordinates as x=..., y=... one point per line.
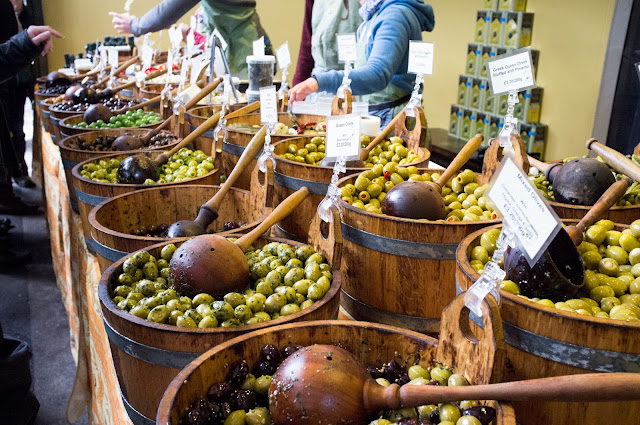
x=237, y=22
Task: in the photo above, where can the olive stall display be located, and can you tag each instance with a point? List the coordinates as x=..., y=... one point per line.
x=143, y=379
x=228, y=384
x=571, y=336
x=131, y=119
x=103, y=143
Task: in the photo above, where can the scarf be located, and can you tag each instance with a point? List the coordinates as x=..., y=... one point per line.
x=370, y=8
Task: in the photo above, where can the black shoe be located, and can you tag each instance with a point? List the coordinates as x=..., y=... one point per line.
x=24, y=181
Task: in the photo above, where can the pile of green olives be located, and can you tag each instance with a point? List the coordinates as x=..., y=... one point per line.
x=183, y=165
x=285, y=280
x=631, y=196
x=242, y=398
x=136, y=118
x=463, y=197
x=612, y=272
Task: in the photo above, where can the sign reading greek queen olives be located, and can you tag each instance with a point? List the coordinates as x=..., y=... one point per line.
x=512, y=71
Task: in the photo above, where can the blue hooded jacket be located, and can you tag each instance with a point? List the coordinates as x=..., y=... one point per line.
x=387, y=49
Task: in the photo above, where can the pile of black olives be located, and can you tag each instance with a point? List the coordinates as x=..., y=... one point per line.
x=160, y=231
x=103, y=143
x=114, y=104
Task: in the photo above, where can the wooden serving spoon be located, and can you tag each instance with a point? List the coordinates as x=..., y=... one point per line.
x=615, y=159
x=209, y=211
x=416, y=199
x=326, y=385
x=548, y=169
x=214, y=265
x=127, y=142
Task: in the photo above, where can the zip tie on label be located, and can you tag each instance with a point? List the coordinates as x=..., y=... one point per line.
x=510, y=122
x=416, y=96
x=346, y=81
x=267, y=150
x=284, y=85
x=333, y=192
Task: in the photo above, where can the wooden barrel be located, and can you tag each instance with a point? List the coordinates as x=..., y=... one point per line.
x=67, y=130
x=399, y=271
x=113, y=220
x=71, y=157
x=148, y=92
x=131, y=93
x=198, y=115
x=90, y=193
x=148, y=355
x=543, y=341
x=42, y=109
x=237, y=139
x=371, y=344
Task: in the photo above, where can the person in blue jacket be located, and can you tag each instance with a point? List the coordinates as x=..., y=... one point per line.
x=380, y=76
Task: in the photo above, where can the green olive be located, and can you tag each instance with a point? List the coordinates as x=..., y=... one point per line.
x=258, y=416
x=243, y=312
x=274, y=303
x=457, y=380
x=468, y=420
x=595, y=234
x=125, y=279
x=591, y=259
x=449, y=412
x=262, y=384
x=417, y=371
x=168, y=251
x=122, y=290
x=601, y=292
x=488, y=240
x=234, y=299
x=608, y=266
x=140, y=311
x=222, y=310
x=606, y=304
x=440, y=374
x=618, y=254
x=159, y=314
x=304, y=252
x=236, y=418
x=312, y=271
x=202, y=299
x=289, y=309
x=256, y=302
x=316, y=292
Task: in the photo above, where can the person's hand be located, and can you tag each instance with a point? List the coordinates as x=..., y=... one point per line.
x=42, y=35
x=122, y=22
x=184, y=29
x=301, y=90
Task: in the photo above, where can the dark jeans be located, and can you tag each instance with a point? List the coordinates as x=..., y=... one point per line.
x=13, y=101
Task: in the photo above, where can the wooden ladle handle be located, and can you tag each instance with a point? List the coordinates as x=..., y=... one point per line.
x=210, y=122
x=461, y=158
x=281, y=211
x=577, y=388
x=250, y=152
x=602, y=205
x=548, y=169
x=615, y=159
x=364, y=153
x=118, y=70
x=202, y=93
x=252, y=107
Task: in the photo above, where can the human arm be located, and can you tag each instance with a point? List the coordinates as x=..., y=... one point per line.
x=305, y=59
x=23, y=47
x=160, y=17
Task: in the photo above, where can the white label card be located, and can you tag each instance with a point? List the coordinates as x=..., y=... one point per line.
x=175, y=36
x=104, y=58
x=258, y=47
x=512, y=71
x=523, y=209
x=268, y=105
x=283, y=56
x=113, y=59
x=420, y=57
x=347, y=51
x=343, y=136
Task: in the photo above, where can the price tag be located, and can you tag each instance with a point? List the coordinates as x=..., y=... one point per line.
x=343, y=136
x=638, y=68
x=268, y=105
x=512, y=71
x=113, y=59
x=183, y=71
x=147, y=56
x=258, y=47
x=420, y=57
x=523, y=209
x=283, y=56
x=104, y=59
x=175, y=36
x=347, y=51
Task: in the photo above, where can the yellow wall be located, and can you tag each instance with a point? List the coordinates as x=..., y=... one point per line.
x=570, y=34
x=572, y=38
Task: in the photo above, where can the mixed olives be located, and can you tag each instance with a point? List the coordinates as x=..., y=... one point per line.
x=160, y=230
x=136, y=118
x=285, y=280
x=463, y=197
x=631, y=196
x=183, y=165
x=242, y=398
x=281, y=129
x=59, y=89
x=114, y=103
x=612, y=272
x=103, y=143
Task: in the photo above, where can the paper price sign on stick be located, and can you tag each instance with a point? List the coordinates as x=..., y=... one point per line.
x=283, y=56
x=113, y=58
x=420, y=58
x=268, y=105
x=258, y=47
x=523, y=209
x=343, y=136
x=347, y=48
x=512, y=71
x=104, y=58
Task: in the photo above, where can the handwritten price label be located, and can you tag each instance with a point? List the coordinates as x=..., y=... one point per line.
x=258, y=47
x=268, y=105
x=347, y=48
x=513, y=71
x=283, y=55
x=420, y=58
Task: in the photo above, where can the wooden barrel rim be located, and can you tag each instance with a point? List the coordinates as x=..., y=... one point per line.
x=549, y=348
x=62, y=143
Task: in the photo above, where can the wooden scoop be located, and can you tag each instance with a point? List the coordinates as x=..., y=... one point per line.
x=319, y=376
x=209, y=211
x=416, y=199
x=214, y=265
x=548, y=169
x=615, y=159
x=559, y=273
x=127, y=142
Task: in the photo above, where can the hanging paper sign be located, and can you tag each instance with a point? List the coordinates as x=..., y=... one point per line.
x=113, y=59
x=347, y=51
x=197, y=65
x=104, y=58
x=523, y=209
x=268, y=105
x=512, y=71
x=258, y=47
x=175, y=36
x=420, y=57
x=283, y=56
x=343, y=137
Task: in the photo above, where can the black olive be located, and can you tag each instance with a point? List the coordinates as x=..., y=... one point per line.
x=199, y=413
x=238, y=373
x=484, y=414
x=408, y=421
x=220, y=392
x=290, y=349
x=404, y=379
x=374, y=372
x=225, y=409
x=271, y=354
x=264, y=367
x=243, y=400
x=433, y=383
x=392, y=371
x=434, y=417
